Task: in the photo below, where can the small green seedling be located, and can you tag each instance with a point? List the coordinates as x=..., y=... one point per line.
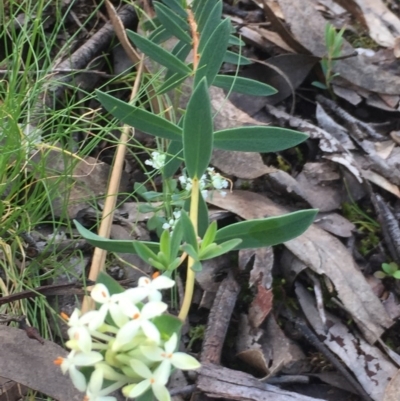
x=334, y=44
x=389, y=270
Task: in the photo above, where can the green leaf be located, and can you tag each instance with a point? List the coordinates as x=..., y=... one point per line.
x=145, y=252
x=165, y=244
x=214, y=250
x=213, y=53
x=160, y=35
x=212, y=22
x=172, y=22
x=319, y=85
x=167, y=325
x=396, y=274
x=237, y=59
x=390, y=268
x=190, y=251
x=176, y=6
x=176, y=239
x=140, y=119
x=198, y=132
x=209, y=236
x=267, y=232
x=157, y=53
x=173, y=159
x=202, y=11
x=197, y=267
x=189, y=234
x=113, y=286
x=257, y=139
x=243, y=85
x=380, y=275
x=120, y=246
x=235, y=41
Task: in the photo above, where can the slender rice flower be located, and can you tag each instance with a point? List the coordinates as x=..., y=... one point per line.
x=74, y=360
x=80, y=338
x=166, y=354
x=155, y=380
x=157, y=160
x=94, y=391
x=140, y=320
x=109, y=304
x=152, y=286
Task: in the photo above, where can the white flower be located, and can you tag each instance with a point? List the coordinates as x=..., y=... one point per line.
x=110, y=303
x=178, y=359
x=80, y=338
x=157, y=161
x=218, y=181
x=94, y=390
x=156, y=380
x=153, y=286
x=140, y=320
x=74, y=359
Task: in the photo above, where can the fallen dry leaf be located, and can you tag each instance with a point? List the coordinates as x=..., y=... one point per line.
x=325, y=255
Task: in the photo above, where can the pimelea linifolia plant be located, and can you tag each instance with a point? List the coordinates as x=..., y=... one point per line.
x=130, y=340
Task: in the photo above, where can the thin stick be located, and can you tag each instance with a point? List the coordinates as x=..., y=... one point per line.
x=99, y=255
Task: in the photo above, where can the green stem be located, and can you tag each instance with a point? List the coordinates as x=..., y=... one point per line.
x=190, y=277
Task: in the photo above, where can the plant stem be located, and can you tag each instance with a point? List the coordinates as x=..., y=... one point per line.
x=190, y=277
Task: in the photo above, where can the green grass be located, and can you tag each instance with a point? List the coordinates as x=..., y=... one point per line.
x=28, y=183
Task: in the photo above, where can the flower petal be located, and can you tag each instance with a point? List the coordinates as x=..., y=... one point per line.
x=117, y=315
x=170, y=345
x=162, y=282
x=139, y=389
x=87, y=359
x=77, y=378
x=135, y=295
x=153, y=309
x=162, y=373
x=100, y=293
x=125, y=334
x=152, y=352
x=96, y=381
x=151, y=331
x=161, y=392
x=184, y=361
x=141, y=369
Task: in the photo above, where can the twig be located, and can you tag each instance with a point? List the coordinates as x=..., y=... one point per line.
x=218, y=320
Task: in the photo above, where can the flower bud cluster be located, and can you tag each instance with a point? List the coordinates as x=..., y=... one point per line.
x=129, y=353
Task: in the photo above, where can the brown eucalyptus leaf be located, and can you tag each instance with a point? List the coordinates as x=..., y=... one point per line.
x=358, y=70
x=324, y=254
x=367, y=362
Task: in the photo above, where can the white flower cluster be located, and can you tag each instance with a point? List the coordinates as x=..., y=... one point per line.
x=171, y=223
x=130, y=354
x=211, y=180
x=157, y=160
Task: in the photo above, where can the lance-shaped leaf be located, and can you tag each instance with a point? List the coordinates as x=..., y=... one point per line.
x=267, y=232
x=198, y=131
x=176, y=6
x=157, y=53
x=243, y=85
x=213, y=53
x=172, y=22
x=215, y=250
x=167, y=325
x=160, y=35
x=257, y=139
x=212, y=22
x=189, y=234
x=173, y=159
x=235, y=41
x=235, y=58
x=140, y=119
x=149, y=256
x=111, y=245
x=202, y=11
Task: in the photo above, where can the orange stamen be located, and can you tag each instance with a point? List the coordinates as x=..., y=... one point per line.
x=155, y=275
x=59, y=361
x=64, y=316
x=136, y=315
